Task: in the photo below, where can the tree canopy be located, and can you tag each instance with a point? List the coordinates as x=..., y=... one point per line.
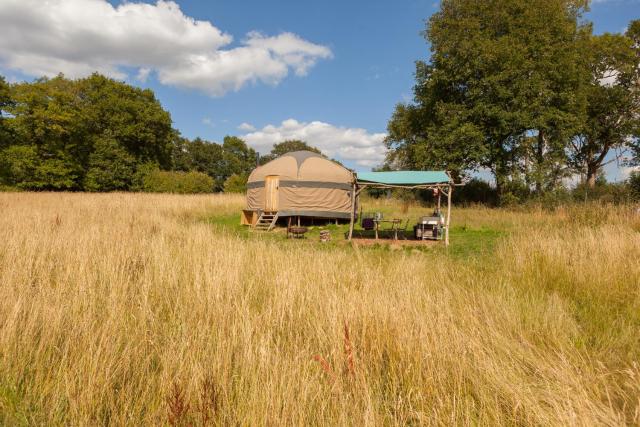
x=99, y=134
x=507, y=89
x=82, y=134
x=611, y=117
x=5, y=102
x=285, y=147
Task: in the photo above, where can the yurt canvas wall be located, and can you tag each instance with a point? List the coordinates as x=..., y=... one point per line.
x=301, y=183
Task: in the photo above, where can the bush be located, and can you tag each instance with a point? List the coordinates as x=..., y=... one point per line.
x=157, y=181
x=514, y=193
x=236, y=183
x=8, y=189
x=475, y=191
x=137, y=182
x=634, y=185
x=550, y=199
x=603, y=192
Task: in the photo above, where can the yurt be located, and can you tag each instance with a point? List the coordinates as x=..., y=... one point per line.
x=299, y=184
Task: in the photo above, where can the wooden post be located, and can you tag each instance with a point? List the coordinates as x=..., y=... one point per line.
x=439, y=197
x=353, y=209
x=446, y=231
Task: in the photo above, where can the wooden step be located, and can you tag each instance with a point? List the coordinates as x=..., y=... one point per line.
x=266, y=221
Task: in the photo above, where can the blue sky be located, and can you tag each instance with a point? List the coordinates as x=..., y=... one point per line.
x=337, y=74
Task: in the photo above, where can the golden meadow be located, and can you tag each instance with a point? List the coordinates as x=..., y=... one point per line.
x=132, y=309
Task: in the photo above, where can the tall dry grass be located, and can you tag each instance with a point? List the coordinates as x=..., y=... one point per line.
x=131, y=309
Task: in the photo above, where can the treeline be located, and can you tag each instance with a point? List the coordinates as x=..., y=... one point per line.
x=522, y=89
x=99, y=134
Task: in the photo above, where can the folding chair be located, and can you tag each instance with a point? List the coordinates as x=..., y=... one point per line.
x=403, y=230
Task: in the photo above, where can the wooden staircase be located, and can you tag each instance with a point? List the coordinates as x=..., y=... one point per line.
x=266, y=221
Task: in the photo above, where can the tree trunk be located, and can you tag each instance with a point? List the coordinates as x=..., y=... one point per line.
x=594, y=163
x=501, y=181
x=540, y=161
x=592, y=172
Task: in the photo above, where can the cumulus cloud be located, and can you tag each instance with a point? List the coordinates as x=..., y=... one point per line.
x=246, y=127
x=352, y=144
x=78, y=37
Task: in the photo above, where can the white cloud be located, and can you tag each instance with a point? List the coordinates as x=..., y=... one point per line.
x=625, y=172
x=352, y=144
x=143, y=74
x=246, y=127
x=207, y=121
x=78, y=37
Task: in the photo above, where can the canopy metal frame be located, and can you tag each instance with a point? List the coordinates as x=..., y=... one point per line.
x=445, y=188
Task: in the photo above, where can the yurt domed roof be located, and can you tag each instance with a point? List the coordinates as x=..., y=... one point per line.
x=302, y=166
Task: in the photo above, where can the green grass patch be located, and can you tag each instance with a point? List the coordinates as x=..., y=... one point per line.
x=465, y=241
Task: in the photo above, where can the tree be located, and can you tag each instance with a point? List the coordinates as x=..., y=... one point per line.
x=612, y=114
x=132, y=116
x=111, y=167
x=22, y=167
x=500, y=71
x=46, y=117
x=180, y=156
x=5, y=102
x=220, y=162
x=18, y=164
x=633, y=33
x=285, y=147
x=238, y=158
x=236, y=183
x=207, y=157
x=634, y=184
x=55, y=174
x=67, y=123
x=423, y=137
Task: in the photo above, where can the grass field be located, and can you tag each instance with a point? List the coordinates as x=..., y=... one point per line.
x=159, y=309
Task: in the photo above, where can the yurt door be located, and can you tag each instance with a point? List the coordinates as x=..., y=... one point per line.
x=271, y=184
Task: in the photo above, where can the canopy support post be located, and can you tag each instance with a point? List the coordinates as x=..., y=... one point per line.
x=446, y=231
x=353, y=209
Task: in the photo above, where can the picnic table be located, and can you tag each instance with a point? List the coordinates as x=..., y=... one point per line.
x=395, y=224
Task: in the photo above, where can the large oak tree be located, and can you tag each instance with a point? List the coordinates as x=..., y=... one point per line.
x=612, y=113
x=501, y=72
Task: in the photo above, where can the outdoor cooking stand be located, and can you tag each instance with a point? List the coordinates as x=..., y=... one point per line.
x=439, y=182
x=428, y=228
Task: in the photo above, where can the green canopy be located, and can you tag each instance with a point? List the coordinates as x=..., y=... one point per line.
x=409, y=178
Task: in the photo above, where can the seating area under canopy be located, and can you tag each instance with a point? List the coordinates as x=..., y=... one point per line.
x=433, y=180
